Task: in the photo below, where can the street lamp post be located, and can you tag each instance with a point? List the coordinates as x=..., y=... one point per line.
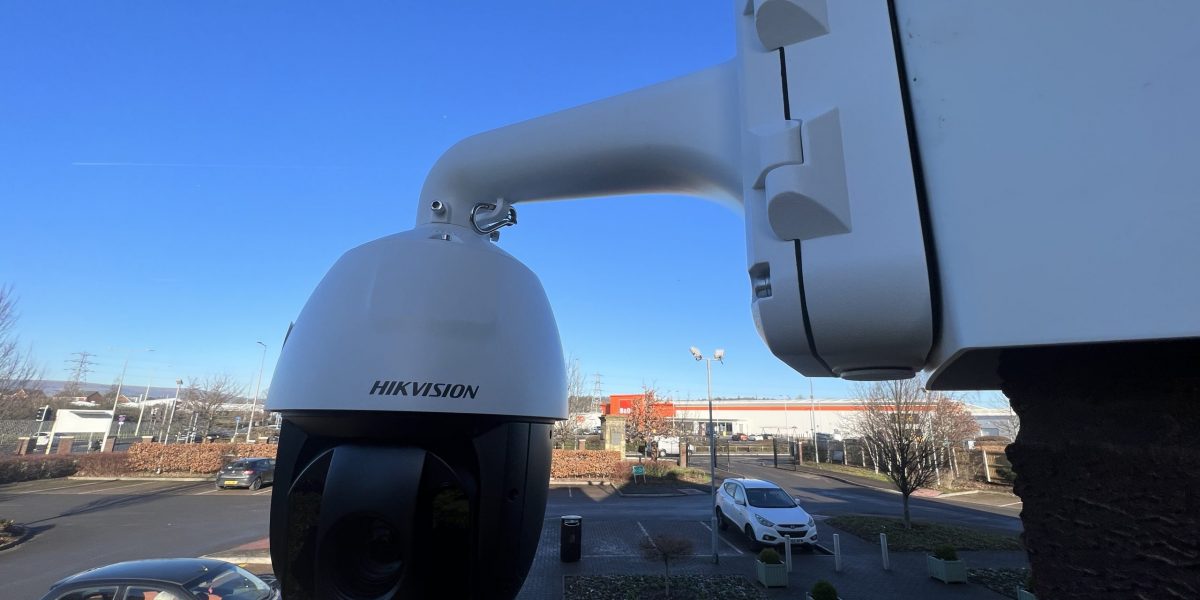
x=166, y=436
x=812, y=415
x=719, y=356
x=162, y=452
x=117, y=399
x=257, y=387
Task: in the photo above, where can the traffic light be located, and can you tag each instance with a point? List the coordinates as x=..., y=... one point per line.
x=44, y=413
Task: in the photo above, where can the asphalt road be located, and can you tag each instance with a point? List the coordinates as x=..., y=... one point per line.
x=820, y=496
x=85, y=524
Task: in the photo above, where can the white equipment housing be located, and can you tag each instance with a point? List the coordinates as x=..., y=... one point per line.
x=428, y=321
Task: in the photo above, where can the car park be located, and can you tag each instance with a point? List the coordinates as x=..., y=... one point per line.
x=164, y=579
x=764, y=513
x=250, y=473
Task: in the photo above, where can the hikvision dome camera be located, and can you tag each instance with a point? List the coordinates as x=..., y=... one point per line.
x=418, y=388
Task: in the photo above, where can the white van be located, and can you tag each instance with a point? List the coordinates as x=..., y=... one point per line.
x=669, y=446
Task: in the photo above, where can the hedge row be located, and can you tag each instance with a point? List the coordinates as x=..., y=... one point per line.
x=28, y=468
x=580, y=464
x=191, y=458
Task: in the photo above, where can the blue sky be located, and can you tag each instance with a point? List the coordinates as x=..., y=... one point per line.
x=179, y=176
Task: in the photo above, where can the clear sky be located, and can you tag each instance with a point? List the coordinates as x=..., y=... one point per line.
x=180, y=175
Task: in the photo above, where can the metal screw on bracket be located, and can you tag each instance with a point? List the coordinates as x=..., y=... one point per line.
x=438, y=208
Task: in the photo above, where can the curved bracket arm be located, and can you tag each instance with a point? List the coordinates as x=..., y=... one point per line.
x=679, y=136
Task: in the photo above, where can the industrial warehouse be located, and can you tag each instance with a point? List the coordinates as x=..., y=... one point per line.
x=784, y=417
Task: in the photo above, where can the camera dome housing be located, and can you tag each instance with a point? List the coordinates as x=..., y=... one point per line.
x=418, y=388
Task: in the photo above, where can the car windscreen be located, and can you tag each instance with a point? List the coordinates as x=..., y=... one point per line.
x=238, y=465
x=769, y=498
x=230, y=583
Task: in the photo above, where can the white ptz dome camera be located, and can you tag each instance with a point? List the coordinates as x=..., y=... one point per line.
x=429, y=320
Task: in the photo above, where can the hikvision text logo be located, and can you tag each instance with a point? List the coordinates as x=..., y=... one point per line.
x=423, y=388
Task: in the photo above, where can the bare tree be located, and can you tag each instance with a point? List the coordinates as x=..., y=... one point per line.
x=577, y=403
x=666, y=548
x=905, y=428
x=206, y=397
x=646, y=418
x=17, y=368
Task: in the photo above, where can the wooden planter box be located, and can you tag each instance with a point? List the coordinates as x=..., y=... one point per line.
x=1024, y=594
x=947, y=571
x=772, y=575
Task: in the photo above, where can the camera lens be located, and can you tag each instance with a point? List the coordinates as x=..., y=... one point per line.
x=370, y=561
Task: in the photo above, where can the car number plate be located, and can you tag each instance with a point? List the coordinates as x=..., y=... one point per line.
x=230, y=482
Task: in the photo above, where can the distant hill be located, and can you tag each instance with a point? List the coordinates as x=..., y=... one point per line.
x=51, y=387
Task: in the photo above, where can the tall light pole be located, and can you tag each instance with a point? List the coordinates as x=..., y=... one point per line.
x=254, y=404
x=166, y=435
x=812, y=415
x=719, y=356
x=120, y=384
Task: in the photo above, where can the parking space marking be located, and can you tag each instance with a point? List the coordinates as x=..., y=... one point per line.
x=569, y=494
x=722, y=538
x=261, y=492
x=647, y=534
x=214, y=490
x=120, y=487
x=65, y=487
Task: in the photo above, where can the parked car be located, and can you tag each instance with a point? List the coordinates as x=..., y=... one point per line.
x=669, y=446
x=752, y=437
x=163, y=579
x=738, y=437
x=250, y=473
x=41, y=439
x=764, y=513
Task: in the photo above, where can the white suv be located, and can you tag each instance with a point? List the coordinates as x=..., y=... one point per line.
x=764, y=513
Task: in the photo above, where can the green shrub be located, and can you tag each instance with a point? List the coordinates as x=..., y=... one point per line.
x=769, y=556
x=945, y=552
x=823, y=590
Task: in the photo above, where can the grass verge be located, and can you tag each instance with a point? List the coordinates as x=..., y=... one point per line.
x=922, y=536
x=652, y=587
x=847, y=470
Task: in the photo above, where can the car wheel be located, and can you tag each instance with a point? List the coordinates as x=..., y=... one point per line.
x=220, y=487
x=256, y=484
x=722, y=523
x=754, y=545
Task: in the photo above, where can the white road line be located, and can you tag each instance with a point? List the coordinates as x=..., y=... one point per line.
x=722, y=538
x=65, y=487
x=1010, y=504
x=214, y=490
x=120, y=487
x=647, y=534
x=569, y=494
x=261, y=492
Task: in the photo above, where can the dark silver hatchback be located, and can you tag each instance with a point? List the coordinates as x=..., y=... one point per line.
x=250, y=473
